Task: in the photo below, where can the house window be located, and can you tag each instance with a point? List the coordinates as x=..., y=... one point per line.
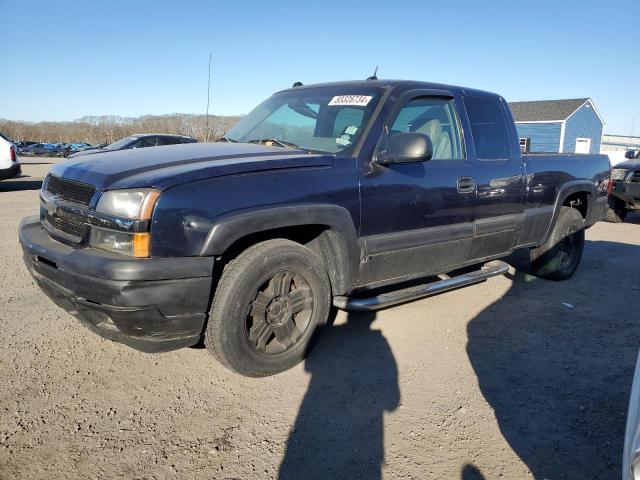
x=525, y=143
x=583, y=145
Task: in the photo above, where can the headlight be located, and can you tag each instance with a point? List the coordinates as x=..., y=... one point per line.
x=618, y=174
x=127, y=204
x=132, y=244
x=635, y=467
x=134, y=204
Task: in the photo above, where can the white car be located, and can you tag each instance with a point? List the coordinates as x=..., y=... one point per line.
x=631, y=458
x=9, y=164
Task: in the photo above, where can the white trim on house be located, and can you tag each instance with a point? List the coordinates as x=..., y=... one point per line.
x=542, y=121
x=562, y=128
x=597, y=113
x=592, y=106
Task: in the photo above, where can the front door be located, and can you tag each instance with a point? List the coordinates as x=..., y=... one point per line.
x=417, y=218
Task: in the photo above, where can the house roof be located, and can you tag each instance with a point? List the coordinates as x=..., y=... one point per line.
x=545, y=110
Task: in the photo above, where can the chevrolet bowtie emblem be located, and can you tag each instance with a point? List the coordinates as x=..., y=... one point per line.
x=51, y=208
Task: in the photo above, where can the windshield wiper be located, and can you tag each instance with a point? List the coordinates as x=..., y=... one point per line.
x=226, y=139
x=280, y=143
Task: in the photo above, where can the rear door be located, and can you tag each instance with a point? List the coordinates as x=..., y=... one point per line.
x=498, y=175
x=418, y=217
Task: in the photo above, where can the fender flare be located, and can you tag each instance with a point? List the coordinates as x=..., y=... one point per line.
x=231, y=228
x=567, y=189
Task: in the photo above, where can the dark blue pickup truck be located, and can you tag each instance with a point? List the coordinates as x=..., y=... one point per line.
x=324, y=195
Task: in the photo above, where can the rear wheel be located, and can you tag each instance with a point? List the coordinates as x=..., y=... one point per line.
x=560, y=256
x=267, y=305
x=616, y=211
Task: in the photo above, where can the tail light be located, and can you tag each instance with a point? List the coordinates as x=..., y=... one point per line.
x=12, y=149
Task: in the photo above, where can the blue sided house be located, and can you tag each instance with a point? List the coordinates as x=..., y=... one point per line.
x=558, y=126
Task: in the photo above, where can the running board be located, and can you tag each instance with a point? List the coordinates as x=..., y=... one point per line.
x=488, y=270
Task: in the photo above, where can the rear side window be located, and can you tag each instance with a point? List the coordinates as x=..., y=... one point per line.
x=488, y=128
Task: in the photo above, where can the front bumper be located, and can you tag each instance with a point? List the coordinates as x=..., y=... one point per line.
x=627, y=192
x=152, y=305
x=11, y=172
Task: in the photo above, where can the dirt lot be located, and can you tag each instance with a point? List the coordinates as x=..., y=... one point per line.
x=499, y=380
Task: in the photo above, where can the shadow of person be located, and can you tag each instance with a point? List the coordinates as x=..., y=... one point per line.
x=471, y=472
x=339, y=431
x=555, y=361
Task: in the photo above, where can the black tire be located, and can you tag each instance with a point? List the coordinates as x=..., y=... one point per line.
x=266, y=308
x=616, y=211
x=560, y=256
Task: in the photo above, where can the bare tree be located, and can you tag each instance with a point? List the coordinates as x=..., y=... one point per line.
x=109, y=128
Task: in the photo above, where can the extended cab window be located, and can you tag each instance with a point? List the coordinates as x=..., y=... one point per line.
x=435, y=117
x=323, y=119
x=488, y=128
x=169, y=140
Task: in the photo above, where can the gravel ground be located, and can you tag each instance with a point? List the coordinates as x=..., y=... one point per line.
x=512, y=378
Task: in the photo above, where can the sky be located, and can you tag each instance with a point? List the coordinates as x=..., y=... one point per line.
x=63, y=60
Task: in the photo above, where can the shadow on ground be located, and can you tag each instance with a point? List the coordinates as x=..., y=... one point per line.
x=554, y=360
x=559, y=376
x=339, y=431
x=19, y=185
x=633, y=218
x=471, y=472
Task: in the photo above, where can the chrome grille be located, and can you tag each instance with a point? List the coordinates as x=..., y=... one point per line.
x=70, y=190
x=67, y=223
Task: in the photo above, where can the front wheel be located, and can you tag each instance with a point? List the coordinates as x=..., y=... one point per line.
x=560, y=256
x=266, y=308
x=616, y=211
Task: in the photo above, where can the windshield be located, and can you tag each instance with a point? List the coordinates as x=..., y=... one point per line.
x=118, y=144
x=322, y=119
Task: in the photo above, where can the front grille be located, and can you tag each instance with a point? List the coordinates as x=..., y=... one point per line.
x=70, y=190
x=635, y=177
x=67, y=223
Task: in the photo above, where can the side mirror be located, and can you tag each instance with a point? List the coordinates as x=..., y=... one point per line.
x=631, y=154
x=406, y=148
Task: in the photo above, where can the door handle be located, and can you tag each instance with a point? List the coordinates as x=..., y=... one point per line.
x=466, y=185
x=539, y=188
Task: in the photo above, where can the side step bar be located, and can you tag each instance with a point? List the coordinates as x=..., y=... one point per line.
x=488, y=270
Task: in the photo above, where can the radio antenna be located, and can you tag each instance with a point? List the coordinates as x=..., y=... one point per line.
x=375, y=74
x=206, y=128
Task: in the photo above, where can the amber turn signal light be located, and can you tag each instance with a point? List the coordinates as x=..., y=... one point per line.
x=141, y=245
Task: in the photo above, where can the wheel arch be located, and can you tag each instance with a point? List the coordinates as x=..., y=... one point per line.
x=583, y=192
x=328, y=230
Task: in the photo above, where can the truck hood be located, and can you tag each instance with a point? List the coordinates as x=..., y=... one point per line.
x=167, y=166
x=629, y=164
